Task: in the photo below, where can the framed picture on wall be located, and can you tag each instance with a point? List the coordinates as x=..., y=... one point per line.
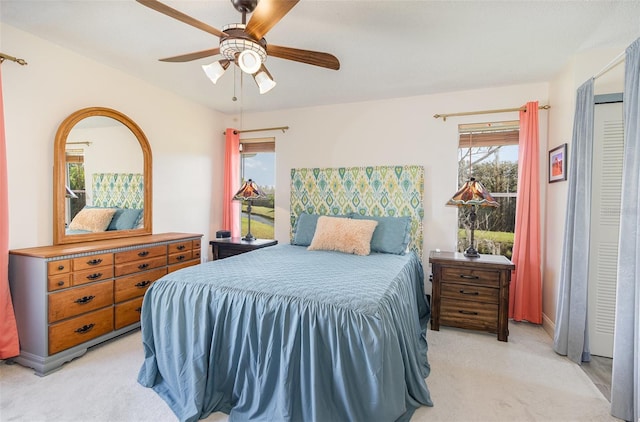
x=558, y=164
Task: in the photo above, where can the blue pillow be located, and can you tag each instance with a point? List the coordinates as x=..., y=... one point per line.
x=392, y=234
x=124, y=219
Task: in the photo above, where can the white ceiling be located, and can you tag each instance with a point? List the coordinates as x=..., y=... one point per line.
x=387, y=49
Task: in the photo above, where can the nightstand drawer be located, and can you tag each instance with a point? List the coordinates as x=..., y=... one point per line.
x=471, y=275
x=464, y=314
x=469, y=292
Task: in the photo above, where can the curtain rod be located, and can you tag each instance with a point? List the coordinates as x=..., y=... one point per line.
x=471, y=113
x=613, y=63
x=282, y=128
x=4, y=57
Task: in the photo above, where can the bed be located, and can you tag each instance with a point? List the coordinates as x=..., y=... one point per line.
x=296, y=332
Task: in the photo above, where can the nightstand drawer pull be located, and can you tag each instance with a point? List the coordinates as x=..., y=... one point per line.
x=94, y=276
x=469, y=277
x=84, y=300
x=469, y=293
x=467, y=312
x=143, y=254
x=143, y=284
x=142, y=266
x=94, y=261
x=85, y=329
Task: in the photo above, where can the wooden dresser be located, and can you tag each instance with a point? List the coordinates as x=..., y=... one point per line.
x=471, y=293
x=68, y=298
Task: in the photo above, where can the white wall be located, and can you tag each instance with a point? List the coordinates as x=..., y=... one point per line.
x=562, y=96
x=185, y=138
x=396, y=131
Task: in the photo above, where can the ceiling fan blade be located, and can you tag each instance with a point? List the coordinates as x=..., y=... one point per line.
x=315, y=58
x=192, y=56
x=173, y=13
x=266, y=15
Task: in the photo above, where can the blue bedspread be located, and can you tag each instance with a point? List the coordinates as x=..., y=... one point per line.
x=286, y=334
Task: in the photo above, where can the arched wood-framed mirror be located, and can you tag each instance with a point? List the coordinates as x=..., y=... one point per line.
x=101, y=178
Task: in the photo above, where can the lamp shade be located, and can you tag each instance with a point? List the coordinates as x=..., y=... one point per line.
x=249, y=61
x=249, y=190
x=216, y=69
x=473, y=193
x=264, y=80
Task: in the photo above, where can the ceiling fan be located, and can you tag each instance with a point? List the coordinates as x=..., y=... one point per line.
x=244, y=43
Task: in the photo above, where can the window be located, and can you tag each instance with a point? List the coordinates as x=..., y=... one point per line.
x=76, y=195
x=258, y=162
x=489, y=152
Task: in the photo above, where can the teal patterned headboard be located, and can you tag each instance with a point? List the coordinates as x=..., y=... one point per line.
x=122, y=190
x=379, y=190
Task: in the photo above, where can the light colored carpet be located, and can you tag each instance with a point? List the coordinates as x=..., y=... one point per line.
x=473, y=378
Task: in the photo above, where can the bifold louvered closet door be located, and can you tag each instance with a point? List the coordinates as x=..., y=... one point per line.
x=608, y=152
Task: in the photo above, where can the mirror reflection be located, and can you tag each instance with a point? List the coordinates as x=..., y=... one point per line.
x=104, y=167
x=102, y=181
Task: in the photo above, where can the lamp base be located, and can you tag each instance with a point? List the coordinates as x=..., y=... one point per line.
x=471, y=252
x=249, y=238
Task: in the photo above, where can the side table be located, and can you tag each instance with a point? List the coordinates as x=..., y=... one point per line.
x=471, y=293
x=230, y=246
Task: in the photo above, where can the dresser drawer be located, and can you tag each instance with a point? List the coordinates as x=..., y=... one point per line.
x=176, y=267
x=57, y=282
x=176, y=247
x=58, y=267
x=136, y=285
x=142, y=253
x=465, y=314
x=471, y=275
x=77, y=330
x=470, y=292
x=128, y=312
x=180, y=257
x=76, y=301
x=95, y=274
x=141, y=265
x=92, y=261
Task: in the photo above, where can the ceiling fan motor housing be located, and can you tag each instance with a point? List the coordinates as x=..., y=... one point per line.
x=237, y=41
x=244, y=6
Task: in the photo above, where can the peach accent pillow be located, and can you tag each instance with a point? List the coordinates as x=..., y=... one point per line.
x=92, y=219
x=343, y=235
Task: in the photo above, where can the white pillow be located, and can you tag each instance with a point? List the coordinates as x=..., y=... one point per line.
x=343, y=235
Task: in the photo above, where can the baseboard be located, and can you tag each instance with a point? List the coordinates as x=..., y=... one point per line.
x=548, y=326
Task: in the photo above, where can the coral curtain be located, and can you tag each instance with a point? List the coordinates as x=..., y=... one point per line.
x=571, y=337
x=231, y=208
x=9, y=345
x=525, y=295
x=625, y=377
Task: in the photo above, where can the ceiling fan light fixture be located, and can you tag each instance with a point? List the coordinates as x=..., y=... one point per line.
x=264, y=80
x=249, y=61
x=216, y=69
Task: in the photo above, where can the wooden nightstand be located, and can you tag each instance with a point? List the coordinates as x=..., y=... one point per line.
x=224, y=248
x=471, y=293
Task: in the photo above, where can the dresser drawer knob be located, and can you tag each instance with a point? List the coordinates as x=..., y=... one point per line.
x=143, y=284
x=180, y=257
x=85, y=328
x=180, y=247
x=142, y=266
x=84, y=300
x=61, y=283
x=60, y=267
x=469, y=277
x=143, y=253
x=469, y=293
x=468, y=312
x=94, y=276
x=94, y=261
